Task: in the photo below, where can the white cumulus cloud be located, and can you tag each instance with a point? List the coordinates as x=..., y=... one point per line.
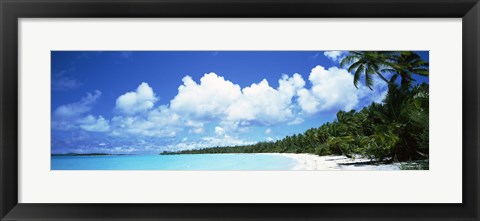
x=209, y=98
x=159, y=122
x=133, y=102
x=261, y=103
x=90, y=123
x=334, y=55
x=332, y=89
x=235, y=109
x=217, y=98
x=266, y=105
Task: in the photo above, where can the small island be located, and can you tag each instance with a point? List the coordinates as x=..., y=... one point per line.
x=86, y=154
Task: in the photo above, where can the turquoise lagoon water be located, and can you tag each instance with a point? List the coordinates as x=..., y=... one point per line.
x=174, y=162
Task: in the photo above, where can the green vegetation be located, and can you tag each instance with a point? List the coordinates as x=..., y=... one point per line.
x=394, y=130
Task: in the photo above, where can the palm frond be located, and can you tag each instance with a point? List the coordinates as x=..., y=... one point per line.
x=347, y=60
x=356, y=76
x=368, y=80
x=354, y=66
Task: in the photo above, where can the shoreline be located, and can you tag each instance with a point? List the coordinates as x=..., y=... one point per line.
x=333, y=162
x=304, y=161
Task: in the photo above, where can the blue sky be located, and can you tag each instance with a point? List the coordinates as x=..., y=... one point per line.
x=144, y=102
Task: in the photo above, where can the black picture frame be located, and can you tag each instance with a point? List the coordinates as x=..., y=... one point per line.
x=12, y=10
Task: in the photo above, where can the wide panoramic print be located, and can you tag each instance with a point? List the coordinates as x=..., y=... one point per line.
x=240, y=110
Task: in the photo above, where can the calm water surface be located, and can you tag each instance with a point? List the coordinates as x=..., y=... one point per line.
x=174, y=162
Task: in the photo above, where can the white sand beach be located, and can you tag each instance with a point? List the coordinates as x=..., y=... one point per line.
x=314, y=162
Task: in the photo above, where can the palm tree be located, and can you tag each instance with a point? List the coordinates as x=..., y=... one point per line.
x=366, y=63
x=405, y=114
x=405, y=64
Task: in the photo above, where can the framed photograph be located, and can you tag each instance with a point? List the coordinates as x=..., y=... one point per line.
x=228, y=110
